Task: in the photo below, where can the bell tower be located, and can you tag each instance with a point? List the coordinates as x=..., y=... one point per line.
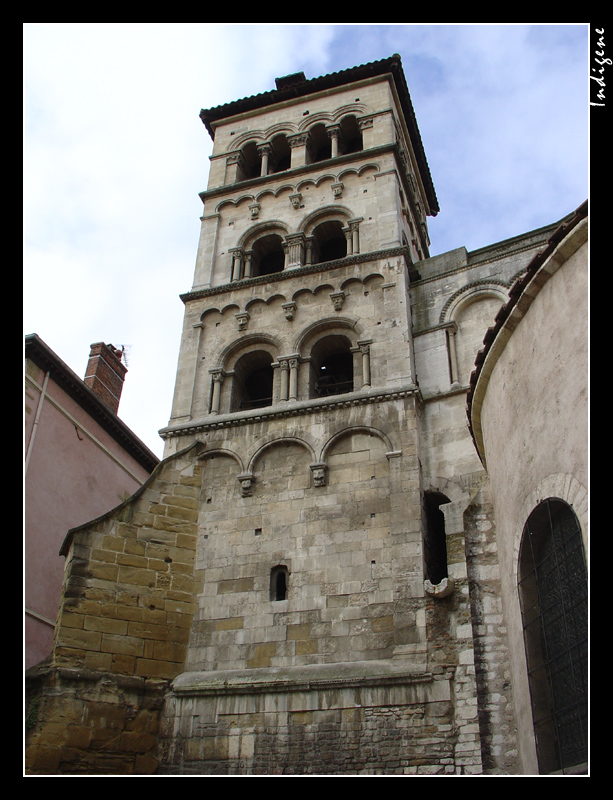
x=315, y=189
x=311, y=635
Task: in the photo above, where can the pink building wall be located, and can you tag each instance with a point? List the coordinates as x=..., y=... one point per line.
x=81, y=461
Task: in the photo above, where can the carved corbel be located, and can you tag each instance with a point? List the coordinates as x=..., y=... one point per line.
x=337, y=189
x=289, y=309
x=247, y=482
x=295, y=200
x=242, y=318
x=319, y=472
x=338, y=298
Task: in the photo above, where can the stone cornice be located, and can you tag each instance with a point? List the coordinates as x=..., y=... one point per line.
x=288, y=409
x=320, y=677
x=297, y=272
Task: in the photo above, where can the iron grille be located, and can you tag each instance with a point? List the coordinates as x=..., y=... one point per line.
x=553, y=593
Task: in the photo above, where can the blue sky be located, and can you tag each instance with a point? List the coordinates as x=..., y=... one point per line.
x=115, y=155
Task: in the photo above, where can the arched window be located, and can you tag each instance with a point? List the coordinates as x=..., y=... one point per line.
x=351, y=135
x=329, y=242
x=553, y=596
x=320, y=146
x=331, y=366
x=279, y=580
x=267, y=255
x=280, y=154
x=253, y=378
x=250, y=165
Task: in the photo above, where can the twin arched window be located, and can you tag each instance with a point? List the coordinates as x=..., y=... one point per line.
x=275, y=250
x=323, y=142
x=257, y=380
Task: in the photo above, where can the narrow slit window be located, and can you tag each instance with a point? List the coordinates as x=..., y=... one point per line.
x=279, y=576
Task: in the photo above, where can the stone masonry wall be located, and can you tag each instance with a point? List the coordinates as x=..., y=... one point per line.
x=315, y=723
x=495, y=702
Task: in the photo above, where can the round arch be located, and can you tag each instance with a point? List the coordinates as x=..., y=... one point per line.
x=324, y=327
x=232, y=352
x=353, y=430
x=255, y=232
x=471, y=294
x=322, y=215
x=273, y=442
x=216, y=452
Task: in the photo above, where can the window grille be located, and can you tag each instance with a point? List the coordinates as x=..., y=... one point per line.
x=553, y=595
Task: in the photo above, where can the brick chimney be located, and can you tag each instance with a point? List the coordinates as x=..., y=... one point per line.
x=105, y=373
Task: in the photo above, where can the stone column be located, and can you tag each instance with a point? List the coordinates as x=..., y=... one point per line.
x=217, y=376
x=334, y=133
x=453, y=356
x=237, y=264
x=294, y=250
x=354, y=225
x=349, y=237
x=308, y=246
x=247, y=269
x=293, y=378
x=365, y=350
x=284, y=367
x=264, y=153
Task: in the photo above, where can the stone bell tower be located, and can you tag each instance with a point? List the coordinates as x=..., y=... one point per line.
x=312, y=639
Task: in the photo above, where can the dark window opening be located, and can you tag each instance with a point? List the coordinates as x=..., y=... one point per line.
x=279, y=583
x=351, y=134
x=267, y=256
x=258, y=389
x=553, y=596
x=435, y=543
x=329, y=242
x=253, y=379
x=335, y=375
x=332, y=364
x=250, y=163
x=320, y=146
x=281, y=155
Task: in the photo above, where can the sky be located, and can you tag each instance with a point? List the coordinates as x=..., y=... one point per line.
x=115, y=155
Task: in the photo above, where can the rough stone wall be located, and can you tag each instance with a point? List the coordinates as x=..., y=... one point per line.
x=493, y=677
